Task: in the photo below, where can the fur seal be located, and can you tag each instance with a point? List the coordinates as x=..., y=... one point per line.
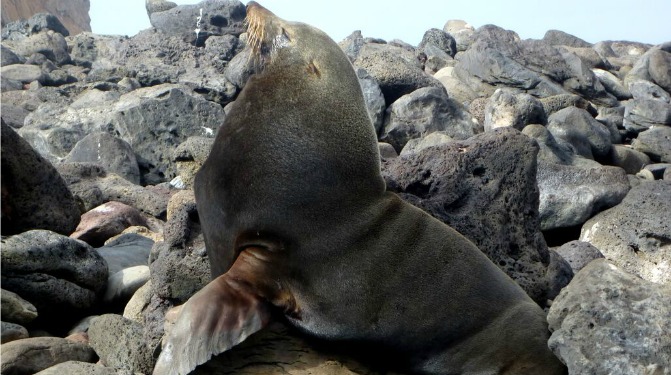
x=297, y=221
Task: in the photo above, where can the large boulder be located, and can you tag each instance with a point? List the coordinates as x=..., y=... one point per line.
x=589, y=138
x=607, y=321
x=120, y=344
x=485, y=188
x=211, y=17
x=656, y=143
x=55, y=273
x=34, y=196
x=507, y=108
x=422, y=112
x=114, y=154
x=636, y=234
x=569, y=195
x=397, y=71
x=71, y=16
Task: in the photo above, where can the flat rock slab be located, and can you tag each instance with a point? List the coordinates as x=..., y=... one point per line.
x=28, y=356
x=607, y=321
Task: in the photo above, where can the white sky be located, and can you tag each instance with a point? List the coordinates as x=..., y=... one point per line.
x=644, y=21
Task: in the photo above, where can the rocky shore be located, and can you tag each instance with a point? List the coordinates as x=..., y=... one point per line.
x=553, y=156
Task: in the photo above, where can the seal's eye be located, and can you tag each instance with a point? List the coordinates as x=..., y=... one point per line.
x=281, y=40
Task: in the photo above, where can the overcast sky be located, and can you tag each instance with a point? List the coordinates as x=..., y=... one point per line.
x=644, y=21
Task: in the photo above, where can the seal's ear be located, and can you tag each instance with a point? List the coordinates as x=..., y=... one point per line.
x=218, y=317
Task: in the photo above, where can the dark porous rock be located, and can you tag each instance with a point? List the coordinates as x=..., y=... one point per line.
x=57, y=274
x=220, y=17
x=555, y=103
x=28, y=356
x=418, y=144
x=120, y=344
x=628, y=159
x=189, y=157
x=485, y=188
x=422, y=112
x=22, y=72
x=115, y=154
x=507, y=108
x=659, y=68
x=569, y=195
x=37, y=23
x=78, y=368
x=8, y=57
x=12, y=332
x=560, y=38
x=656, y=143
x=578, y=254
x=106, y=221
x=607, y=321
x=372, y=94
x=397, y=71
x=642, y=114
x=127, y=250
x=646, y=90
x=439, y=39
x=157, y=119
x=179, y=265
x=636, y=234
x=589, y=138
x=613, y=84
x=34, y=196
x=462, y=33
x=50, y=44
x=92, y=186
x=16, y=309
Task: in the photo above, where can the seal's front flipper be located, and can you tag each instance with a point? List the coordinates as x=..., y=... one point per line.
x=218, y=317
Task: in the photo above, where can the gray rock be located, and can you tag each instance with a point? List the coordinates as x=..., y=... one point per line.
x=11, y=332
x=8, y=57
x=588, y=56
x=55, y=273
x=657, y=170
x=16, y=309
x=387, y=151
x=219, y=17
x=642, y=114
x=157, y=119
x=39, y=22
x=34, y=196
x=50, y=44
x=556, y=103
x=551, y=149
x=158, y=6
x=115, y=154
x=240, y=68
x=28, y=356
x=106, y=221
x=646, y=90
x=656, y=143
x=135, y=307
x=397, y=71
x=485, y=188
x=22, y=73
x=636, y=234
x=610, y=322
x=659, y=68
x=422, y=112
x=418, y=144
x=435, y=59
x=458, y=90
x=372, y=94
x=557, y=37
x=612, y=84
x=122, y=285
x=92, y=186
x=578, y=254
x=576, y=126
x=120, y=344
x=570, y=195
x=9, y=85
x=78, y=368
x=628, y=159
x=507, y=108
x=439, y=39
x=613, y=118
x=127, y=250
x=189, y=156
x=462, y=33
